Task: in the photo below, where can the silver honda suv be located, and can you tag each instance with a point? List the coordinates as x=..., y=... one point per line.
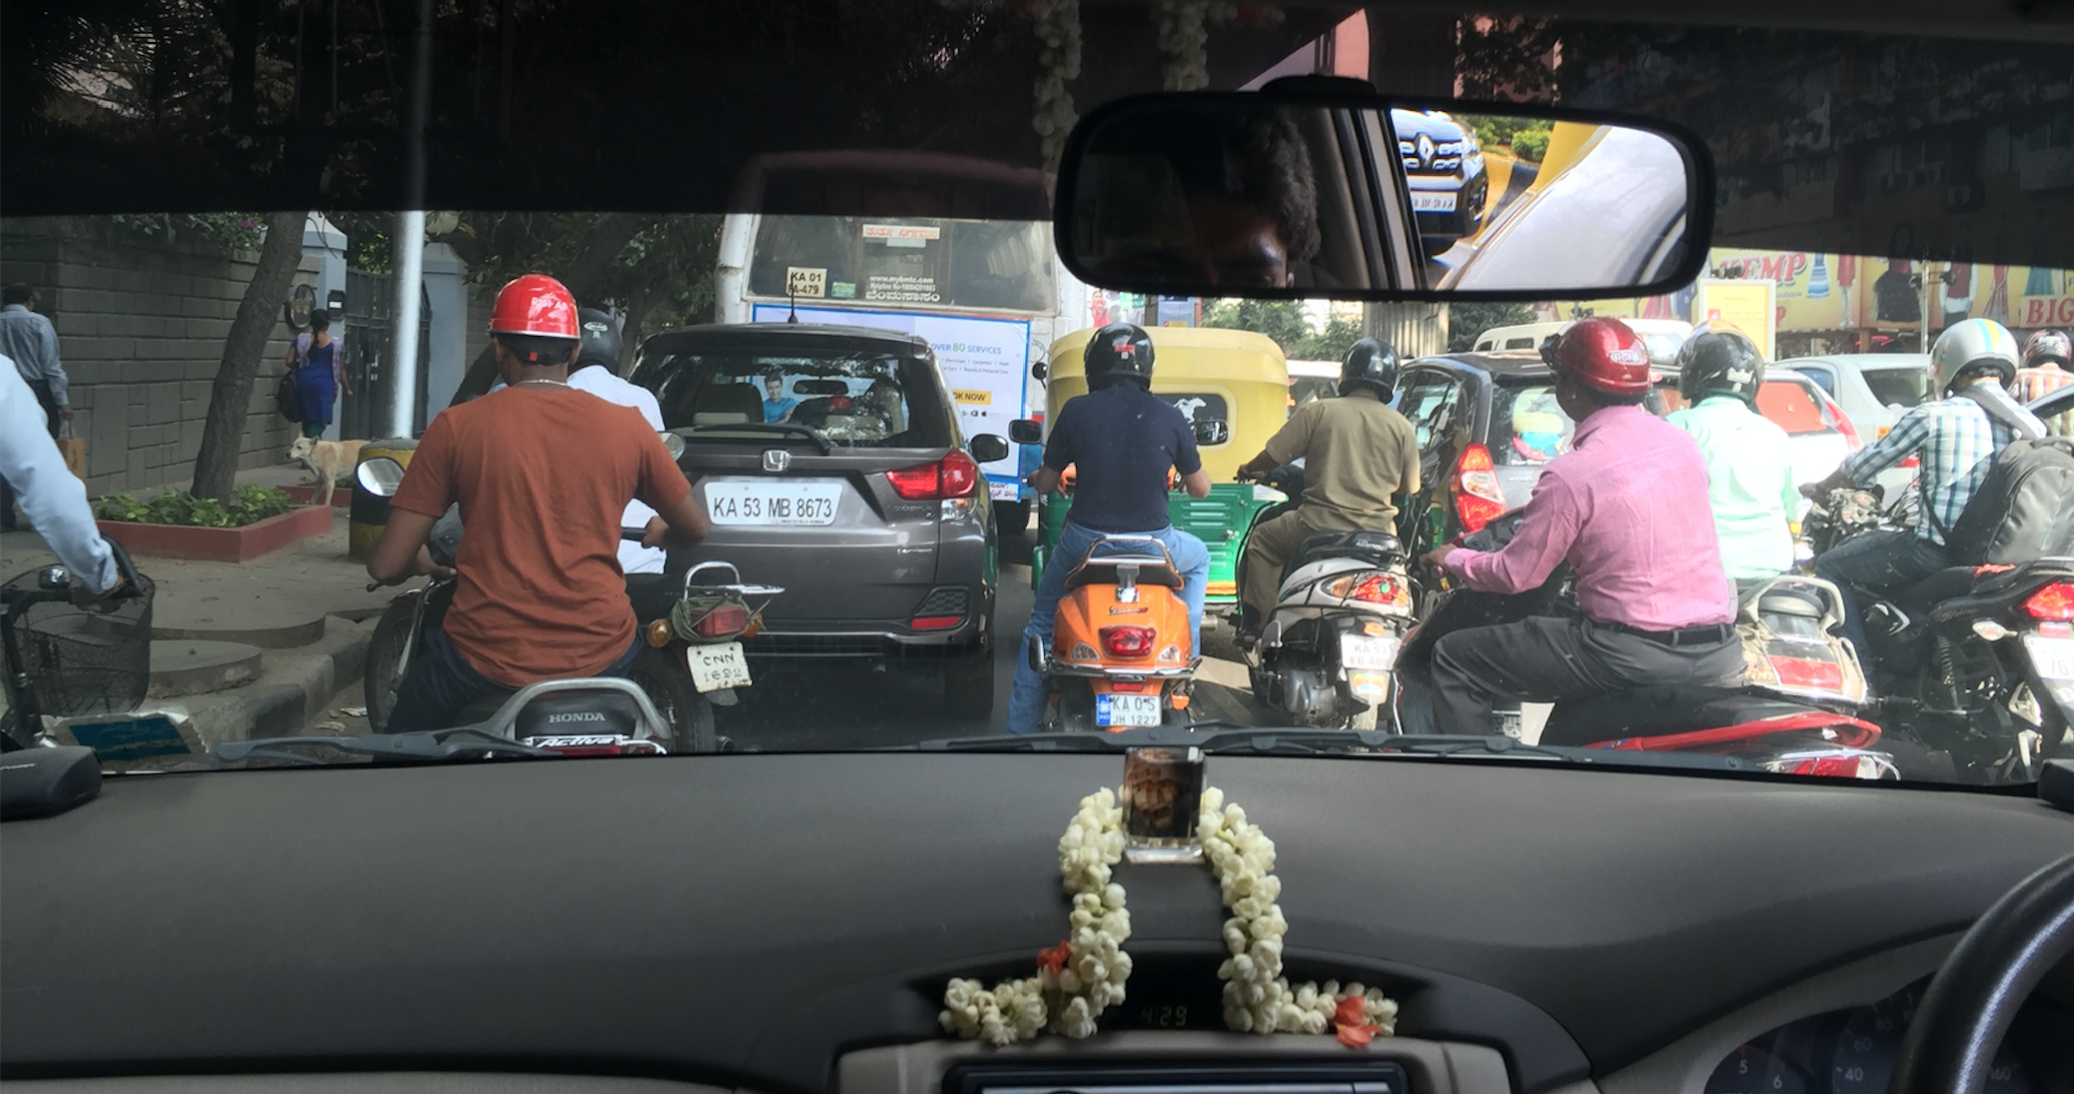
x=831, y=463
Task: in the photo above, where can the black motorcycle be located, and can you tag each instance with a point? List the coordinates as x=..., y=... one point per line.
x=691, y=659
x=1975, y=664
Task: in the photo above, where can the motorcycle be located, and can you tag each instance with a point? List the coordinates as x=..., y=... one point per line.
x=1797, y=714
x=1327, y=650
x=1121, y=653
x=1973, y=664
x=692, y=659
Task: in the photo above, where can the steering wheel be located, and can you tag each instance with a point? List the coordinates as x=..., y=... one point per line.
x=1952, y=1040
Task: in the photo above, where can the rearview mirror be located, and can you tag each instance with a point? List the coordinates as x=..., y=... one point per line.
x=1212, y=431
x=379, y=475
x=1025, y=431
x=1339, y=192
x=988, y=447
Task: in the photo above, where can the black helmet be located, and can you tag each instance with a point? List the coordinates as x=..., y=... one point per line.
x=1720, y=362
x=600, y=336
x=1119, y=351
x=1372, y=365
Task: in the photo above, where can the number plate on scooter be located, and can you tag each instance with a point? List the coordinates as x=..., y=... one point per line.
x=2053, y=657
x=1126, y=710
x=1374, y=653
x=716, y=667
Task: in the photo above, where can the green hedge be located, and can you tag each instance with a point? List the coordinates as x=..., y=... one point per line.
x=248, y=505
x=1530, y=144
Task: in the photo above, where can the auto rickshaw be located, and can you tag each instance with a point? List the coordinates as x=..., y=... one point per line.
x=1235, y=376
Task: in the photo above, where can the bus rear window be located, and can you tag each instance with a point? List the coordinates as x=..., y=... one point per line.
x=903, y=262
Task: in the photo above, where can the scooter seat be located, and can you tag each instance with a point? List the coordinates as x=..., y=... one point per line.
x=562, y=714
x=1785, y=600
x=1102, y=571
x=1919, y=598
x=1657, y=712
x=1373, y=548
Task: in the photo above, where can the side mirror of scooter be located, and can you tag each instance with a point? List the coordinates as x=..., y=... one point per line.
x=1039, y=370
x=1212, y=431
x=379, y=475
x=988, y=447
x=673, y=444
x=1026, y=431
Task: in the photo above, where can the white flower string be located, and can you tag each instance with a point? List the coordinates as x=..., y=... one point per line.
x=1082, y=976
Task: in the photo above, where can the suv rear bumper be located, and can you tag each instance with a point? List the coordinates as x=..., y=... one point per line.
x=845, y=643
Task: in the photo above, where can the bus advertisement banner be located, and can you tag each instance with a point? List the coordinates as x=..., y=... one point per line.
x=985, y=361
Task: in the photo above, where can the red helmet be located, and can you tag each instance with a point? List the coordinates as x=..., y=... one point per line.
x=535, y=304
x=1603, y=354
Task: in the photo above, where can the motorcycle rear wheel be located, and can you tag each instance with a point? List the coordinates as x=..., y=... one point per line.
x=668, y=685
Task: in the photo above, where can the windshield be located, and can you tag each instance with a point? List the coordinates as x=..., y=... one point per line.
x=228, y=287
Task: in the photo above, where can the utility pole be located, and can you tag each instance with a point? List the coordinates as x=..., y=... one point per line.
x=410, y=234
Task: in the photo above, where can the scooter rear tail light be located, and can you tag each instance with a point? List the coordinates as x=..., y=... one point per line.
x=725, y=621
x=1370, y=589
x=2054, y=602
x=1478, y=500
x=1128, y=641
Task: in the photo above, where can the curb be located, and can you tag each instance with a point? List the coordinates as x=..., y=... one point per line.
x=293, y=687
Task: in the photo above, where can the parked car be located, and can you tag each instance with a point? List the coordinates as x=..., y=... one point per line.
x=1450, y=191
x=865, y=503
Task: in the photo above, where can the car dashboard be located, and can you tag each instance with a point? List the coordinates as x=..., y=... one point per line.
x=785, y=924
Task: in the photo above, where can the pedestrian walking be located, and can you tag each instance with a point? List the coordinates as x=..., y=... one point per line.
x=320, y=376
x=30, y=340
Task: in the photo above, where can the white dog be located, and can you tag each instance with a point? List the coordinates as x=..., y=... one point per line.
x=327, y=460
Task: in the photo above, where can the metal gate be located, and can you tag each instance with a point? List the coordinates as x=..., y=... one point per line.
x=369, y=320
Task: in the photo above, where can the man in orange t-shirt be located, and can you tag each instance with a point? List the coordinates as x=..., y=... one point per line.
x=541, y=472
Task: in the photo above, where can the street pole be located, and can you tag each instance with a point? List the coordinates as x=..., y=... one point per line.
x=410, y=235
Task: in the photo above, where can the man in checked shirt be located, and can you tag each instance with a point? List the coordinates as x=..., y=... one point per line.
x=1956, y=438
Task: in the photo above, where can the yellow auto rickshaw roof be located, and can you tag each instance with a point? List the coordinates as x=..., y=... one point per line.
x=1198, y=353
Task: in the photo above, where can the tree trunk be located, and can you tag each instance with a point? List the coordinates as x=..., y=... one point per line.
x=230, y=398
x=608, y=237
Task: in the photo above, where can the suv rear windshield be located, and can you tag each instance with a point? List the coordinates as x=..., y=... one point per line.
x=855, y=401
x=1528, y=429
x=1902, y=387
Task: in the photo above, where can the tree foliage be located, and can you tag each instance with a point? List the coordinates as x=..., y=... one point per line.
x=1284, y=321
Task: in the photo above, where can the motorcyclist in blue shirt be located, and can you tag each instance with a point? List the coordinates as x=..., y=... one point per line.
x=1121, y=440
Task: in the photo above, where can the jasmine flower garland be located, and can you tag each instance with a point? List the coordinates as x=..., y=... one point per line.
x=1082, y=976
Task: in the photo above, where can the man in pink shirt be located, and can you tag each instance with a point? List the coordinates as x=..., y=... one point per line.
x=1627, y=508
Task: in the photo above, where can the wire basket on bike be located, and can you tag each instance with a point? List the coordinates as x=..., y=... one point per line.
x=76, y=661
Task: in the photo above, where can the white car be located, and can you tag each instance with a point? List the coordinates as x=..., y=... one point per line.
x=1874, y=390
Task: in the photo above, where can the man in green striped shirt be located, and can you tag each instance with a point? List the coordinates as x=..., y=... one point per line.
x=1749, y=479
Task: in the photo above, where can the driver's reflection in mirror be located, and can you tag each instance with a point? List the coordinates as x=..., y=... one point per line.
x=1204, y=198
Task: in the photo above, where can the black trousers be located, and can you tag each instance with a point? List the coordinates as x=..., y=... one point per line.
x=1546, y=660
x=52, y=422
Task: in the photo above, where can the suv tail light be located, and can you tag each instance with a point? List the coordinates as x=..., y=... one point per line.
x=1128, y=641
x=725, y=621
x=954, y=476
x=1477, y=497
x=2055, y=602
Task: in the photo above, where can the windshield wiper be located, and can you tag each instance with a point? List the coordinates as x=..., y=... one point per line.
x=1225, y=738
x=464, y=742
x=810, y=433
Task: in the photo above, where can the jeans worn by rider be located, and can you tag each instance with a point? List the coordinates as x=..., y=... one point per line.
x=1357, y=453
x=1957, y=440
x=542, y=476
x=1750, y=485
x=1120, y=440
x=1627, y=508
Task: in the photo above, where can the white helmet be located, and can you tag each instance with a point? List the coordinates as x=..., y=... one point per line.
x=1971, y=343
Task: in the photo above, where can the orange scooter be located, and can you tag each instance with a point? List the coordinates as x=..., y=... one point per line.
x=1121, y=655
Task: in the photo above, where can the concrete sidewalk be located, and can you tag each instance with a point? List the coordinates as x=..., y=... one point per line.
x=305, y=607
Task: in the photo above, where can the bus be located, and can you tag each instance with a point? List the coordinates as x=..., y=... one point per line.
x=828, y=242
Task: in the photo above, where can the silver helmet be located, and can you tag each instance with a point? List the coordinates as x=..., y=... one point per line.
x=1972, y=343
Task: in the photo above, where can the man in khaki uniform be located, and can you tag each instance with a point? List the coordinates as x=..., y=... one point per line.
x=1359, y=455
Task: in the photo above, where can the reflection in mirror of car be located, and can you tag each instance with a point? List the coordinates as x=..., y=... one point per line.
x=380, y=475
x=1533, y=203
x=1026, y=431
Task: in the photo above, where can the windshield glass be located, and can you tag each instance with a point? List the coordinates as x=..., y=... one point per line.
x=228, y=287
